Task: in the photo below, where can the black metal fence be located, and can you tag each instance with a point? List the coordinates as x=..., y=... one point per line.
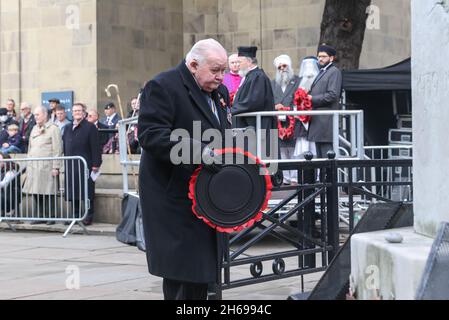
x=309, y=229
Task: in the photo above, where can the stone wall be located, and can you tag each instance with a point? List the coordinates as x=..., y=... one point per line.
x=136, y=40
x=128, y=42
x=43, y=48
x=292, y=27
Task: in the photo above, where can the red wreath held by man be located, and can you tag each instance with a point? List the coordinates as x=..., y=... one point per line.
x=303, y=103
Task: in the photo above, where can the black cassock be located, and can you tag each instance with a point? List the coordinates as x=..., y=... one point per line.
x=254, y=95
x=83, y=142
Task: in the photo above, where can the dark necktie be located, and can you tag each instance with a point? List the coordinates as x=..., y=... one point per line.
x=213, y=107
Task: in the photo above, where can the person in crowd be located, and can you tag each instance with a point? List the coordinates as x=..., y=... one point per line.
x=232, y=79
x=26, y=124
x=180, y=248
x=42, y=177
x=61, y=119
x=92, y=117
x=5, y=122
x=325, y=94
x=112, y=118
x=11, y=108
x=9, y=187
x=14, y=144
x=81, y=139
x=135, y=106
x=53, y=104
x=254, y=95
x=284, y=87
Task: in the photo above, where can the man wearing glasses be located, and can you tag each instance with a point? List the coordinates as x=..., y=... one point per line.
x=325, y=93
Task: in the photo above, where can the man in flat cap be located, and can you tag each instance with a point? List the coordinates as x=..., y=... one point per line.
x=325, y=92
x=53, y=104
x=255, y=93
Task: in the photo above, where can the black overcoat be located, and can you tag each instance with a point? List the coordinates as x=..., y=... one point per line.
x=179, y=246
x=325, y=92
x=83, y=142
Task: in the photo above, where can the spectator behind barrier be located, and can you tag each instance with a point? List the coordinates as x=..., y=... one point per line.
x=8, y=172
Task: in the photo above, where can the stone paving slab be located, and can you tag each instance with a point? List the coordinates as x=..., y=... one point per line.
x=33, y=266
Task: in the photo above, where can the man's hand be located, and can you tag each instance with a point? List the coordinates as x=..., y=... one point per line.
x=5, y=145
x=278, y=107
x=55, y=172
x=210, y=161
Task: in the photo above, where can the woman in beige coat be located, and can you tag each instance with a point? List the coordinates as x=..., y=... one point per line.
x=42, y=177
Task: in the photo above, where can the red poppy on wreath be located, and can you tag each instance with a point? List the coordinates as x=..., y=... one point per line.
x=232, y=96
x=286, y=133
x=303, y=103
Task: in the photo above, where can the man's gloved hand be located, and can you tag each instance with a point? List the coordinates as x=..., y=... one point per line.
x=211, y=161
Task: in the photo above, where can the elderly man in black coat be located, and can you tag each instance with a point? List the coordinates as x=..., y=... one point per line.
x=180, y=248
x=325, y=92
x=81, y=139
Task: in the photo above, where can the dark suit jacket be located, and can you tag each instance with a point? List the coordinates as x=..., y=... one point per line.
x=114, y=121
x=83, y=142
x=26, y=131
x=179, y=246
x=325, y=93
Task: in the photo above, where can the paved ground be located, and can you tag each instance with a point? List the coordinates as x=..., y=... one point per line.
x=40, y=265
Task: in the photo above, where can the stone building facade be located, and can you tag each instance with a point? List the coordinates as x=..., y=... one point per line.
x=84, y=45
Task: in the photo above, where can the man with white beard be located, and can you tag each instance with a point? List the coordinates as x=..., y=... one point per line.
x=284, y=88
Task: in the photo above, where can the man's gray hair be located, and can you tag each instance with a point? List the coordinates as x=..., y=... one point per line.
x=27, y=105
x=42, y=109
x=201, y=50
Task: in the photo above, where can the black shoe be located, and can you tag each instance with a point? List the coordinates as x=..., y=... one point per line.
x=37, y=222
x=50, y=223
x=87, y=222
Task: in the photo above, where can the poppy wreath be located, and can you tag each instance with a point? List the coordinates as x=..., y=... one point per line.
x=257, y=217
x=303, y=103
x=286, y=133
x=232, y=96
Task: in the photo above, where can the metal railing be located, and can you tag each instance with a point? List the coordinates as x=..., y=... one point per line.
x=356, y=125
x=31, y=193
x=128, y=165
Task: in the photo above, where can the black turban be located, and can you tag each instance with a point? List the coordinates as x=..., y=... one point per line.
x=328, y=49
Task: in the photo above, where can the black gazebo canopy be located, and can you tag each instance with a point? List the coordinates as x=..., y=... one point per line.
x=395, y=77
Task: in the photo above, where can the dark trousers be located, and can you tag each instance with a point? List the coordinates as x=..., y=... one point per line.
x=45, y=205
x=322, y=148
x=78, y=205
x=180, y=290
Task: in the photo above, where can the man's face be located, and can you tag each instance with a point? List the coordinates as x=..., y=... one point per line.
x=9, y=106
x=324, y=59
x=40, y=117
x=109, y=112
x=135, y=104
x=234, y=63
x=60, y=115
x=53, y=105
x=78, y=113
x=25, y=110
x=209, y=74
x=92, y=117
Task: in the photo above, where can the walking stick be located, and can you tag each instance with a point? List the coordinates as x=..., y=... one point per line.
x=119, y=100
